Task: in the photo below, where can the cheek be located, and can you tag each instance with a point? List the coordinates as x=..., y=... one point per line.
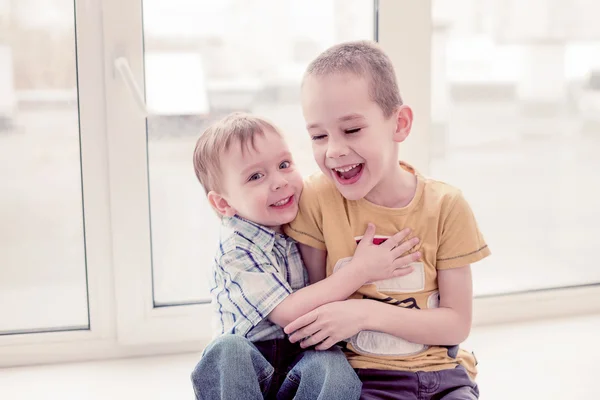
x=253, y=197
x=319, y=151
x=375, y=150
x=297, y=180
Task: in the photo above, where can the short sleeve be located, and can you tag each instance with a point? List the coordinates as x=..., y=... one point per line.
x=461, y=241
x=307, y=228
x=249, y=286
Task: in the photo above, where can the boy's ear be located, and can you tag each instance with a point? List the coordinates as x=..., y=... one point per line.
x=404, y=118
x=219, y=203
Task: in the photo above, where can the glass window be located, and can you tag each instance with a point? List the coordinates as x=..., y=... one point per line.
x=516, y=125
x=43, y=283
x=204, y=59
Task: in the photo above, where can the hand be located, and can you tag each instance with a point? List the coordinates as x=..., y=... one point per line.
x=328, y=324
x=384, y=261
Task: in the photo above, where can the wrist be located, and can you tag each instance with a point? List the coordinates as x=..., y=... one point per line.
x=366, y=313
x=375, y=315
x=359, y=270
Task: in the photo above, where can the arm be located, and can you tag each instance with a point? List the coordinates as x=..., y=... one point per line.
x=335, y=288
x=461, y=244
x=370, y=263
x=450, y=324
x=314, y=261
x=447, y=325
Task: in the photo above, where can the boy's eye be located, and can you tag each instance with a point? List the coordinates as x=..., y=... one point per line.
x=255, y=177
x=354, y=130
x=318, y=137
x=285, y=164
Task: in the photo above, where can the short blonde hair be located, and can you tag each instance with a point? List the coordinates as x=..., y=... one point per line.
x=239, y=128
x=364, y=59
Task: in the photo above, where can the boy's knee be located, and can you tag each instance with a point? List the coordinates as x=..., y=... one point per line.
x=329, y=370
x=327, y=363
x=228, y=344
x=221, y=351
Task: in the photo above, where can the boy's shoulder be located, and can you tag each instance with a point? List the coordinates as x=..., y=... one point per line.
x=242, y=238
x=439, y=192
x=319, y=192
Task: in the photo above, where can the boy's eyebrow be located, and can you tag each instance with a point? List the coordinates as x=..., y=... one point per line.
x=344, y=118
x=246, y=171
x=350, y=117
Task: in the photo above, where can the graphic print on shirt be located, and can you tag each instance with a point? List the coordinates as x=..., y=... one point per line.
x=379, y=343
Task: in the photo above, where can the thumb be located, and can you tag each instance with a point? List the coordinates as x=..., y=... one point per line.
x=369, y=234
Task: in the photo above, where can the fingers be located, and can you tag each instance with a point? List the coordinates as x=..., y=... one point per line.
x=327, y=344
x=300, y=322
x=397, y=238
x=305, y=332
x=402, y=271
x=407, y=259
x=369, y=234
x=314, y=339
x=404, y=247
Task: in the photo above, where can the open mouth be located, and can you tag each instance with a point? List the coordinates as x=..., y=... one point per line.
x=283, y=203
x=348, y=174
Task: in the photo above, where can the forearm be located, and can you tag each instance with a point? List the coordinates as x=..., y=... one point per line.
x=336, y=287
x=438, y=326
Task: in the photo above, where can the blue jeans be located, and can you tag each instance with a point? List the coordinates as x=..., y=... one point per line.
x=234, y=368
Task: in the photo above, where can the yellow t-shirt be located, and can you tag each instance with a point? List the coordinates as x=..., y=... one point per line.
x=449, y=238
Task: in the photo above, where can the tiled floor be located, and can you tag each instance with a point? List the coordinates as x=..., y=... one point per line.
x=548, y=360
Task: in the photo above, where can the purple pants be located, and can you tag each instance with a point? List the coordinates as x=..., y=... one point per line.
x=449, y=384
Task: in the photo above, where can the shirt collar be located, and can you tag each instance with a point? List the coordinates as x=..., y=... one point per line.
x=257, y=234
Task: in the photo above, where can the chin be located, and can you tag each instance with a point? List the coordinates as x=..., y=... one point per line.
x=285, y=218
x=351, y=194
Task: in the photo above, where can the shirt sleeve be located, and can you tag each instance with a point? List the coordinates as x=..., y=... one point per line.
x=307, y=228
x=461, y=241
x=250, y=287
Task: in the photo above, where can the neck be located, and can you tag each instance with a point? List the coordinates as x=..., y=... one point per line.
x=395, y=190
x=276, y=228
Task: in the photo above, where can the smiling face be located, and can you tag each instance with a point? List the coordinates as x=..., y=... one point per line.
x=354, y=144
x=260, y=182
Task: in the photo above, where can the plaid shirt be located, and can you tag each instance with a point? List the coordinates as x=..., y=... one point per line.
x=254, y=270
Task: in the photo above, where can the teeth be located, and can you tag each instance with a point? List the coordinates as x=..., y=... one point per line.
x=282, y=202
x=346, y=169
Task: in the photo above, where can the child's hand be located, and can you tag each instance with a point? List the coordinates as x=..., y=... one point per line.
x=328, y=324
x=384, y=261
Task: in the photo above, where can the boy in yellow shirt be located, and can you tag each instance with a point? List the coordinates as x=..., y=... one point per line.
x=402, y=334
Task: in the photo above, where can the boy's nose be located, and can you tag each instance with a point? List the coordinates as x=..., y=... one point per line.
x=336, y=149
x=279, y=183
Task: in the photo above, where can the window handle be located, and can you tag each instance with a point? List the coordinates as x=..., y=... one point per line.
x=124, y=71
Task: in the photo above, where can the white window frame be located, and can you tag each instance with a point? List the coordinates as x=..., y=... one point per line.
x=44, y=346
x=124, y=320
x=138, y=321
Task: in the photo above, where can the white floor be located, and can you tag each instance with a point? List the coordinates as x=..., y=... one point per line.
x=555, y=359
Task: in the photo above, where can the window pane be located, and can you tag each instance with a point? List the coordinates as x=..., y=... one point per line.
x=203, y=60
x=516, y=113
x=42, y=255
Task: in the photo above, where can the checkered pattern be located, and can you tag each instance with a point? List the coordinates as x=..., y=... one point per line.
x=254, y=270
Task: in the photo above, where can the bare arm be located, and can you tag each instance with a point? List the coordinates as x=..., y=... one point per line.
x=447, y=325
x=450, y=324
x=370, y=263
x=314, y=261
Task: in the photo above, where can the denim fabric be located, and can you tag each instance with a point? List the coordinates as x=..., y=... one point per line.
x=234, y=368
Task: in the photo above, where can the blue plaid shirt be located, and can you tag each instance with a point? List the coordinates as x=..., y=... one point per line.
x=254, y=270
